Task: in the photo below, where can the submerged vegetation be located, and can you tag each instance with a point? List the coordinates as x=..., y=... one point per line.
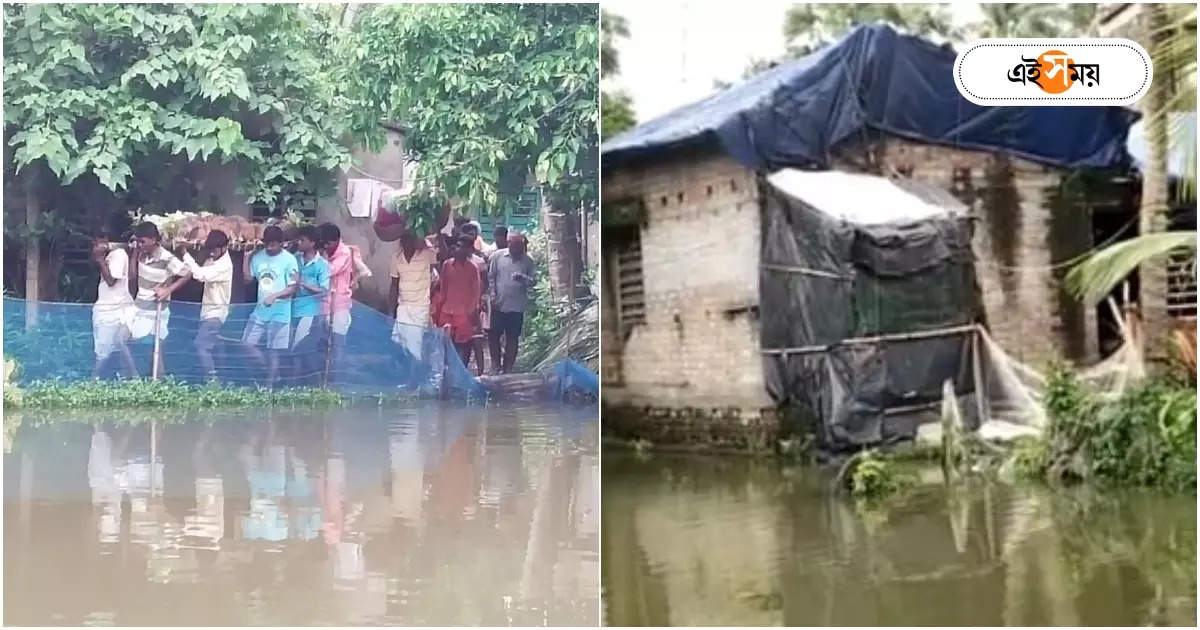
x=165, y=394
x=873, y=475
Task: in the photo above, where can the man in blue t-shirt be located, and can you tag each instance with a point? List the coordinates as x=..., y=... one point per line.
x=311, y=332
x=276, y=271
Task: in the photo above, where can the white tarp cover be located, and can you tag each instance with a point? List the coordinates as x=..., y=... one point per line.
x=856, y=198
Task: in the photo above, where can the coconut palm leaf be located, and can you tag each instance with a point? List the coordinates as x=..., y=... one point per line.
x=1095, y=277
x=1174, y=59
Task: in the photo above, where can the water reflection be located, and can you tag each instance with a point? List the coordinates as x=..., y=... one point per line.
x=698, y=541
x=427, y=515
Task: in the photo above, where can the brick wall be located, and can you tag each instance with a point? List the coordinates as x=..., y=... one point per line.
x=699, y=346
x=1022, y=229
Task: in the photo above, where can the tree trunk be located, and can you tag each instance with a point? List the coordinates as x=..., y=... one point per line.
x=1153, y=213
x=33, y=250
x=563, y=262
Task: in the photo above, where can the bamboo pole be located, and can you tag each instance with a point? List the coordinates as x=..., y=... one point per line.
x=981, y=399
x=328, y=347
x=157, y=355
x=924, y=334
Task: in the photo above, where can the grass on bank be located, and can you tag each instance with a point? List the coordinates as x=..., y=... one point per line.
x=168, y=393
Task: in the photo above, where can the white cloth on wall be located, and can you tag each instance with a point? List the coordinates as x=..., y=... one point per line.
x=362, y=196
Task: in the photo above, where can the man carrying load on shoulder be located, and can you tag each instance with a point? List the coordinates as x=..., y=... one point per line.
x=276, y=271
x=159, y=274
x=216, y=272
x=343, y=277
x=113, y=307
x=311, y=334
x=413, y=274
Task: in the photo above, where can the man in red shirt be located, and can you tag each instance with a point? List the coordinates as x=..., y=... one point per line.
x=461, y=289
x=342, y=277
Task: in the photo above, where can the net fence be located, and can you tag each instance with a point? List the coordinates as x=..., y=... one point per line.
x=366, y=353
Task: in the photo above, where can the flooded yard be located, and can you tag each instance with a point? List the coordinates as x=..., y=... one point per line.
x=442, y=515
x=697, y=540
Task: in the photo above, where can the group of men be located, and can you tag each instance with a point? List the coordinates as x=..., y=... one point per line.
x=457, y=282
x=471, y=289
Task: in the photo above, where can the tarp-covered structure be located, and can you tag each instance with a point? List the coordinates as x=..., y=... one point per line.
x=873, y=79
x=869, y=302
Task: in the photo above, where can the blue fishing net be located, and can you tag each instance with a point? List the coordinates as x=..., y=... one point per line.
x=572, y=378
x=374, y=356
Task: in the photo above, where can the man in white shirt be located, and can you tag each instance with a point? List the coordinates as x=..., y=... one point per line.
x=217, y=275
x=412, y=277
x=113, y=308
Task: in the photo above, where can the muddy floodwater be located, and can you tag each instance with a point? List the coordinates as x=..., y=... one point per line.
x=435, y=514
x=696, y=540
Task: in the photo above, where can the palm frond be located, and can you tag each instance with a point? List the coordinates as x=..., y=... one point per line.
x=1096, y=276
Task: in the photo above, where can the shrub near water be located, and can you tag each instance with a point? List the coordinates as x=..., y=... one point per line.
x=876, y=476
x=1146, y=437
x=167, y=393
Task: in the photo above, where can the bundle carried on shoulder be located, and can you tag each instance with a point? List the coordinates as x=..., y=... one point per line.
x=192, y=228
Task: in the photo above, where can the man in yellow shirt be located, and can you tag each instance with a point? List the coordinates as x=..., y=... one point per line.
x=412, y=277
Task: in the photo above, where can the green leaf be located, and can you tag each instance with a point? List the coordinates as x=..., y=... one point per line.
x=192, y=146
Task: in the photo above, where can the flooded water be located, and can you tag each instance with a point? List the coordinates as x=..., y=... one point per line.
x=693, y=540
x=426, y=515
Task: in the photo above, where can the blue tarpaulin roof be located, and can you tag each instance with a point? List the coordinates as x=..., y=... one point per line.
x=874, y=78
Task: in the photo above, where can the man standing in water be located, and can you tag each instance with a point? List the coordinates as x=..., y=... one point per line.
x=341, y=282
x=111, y=312
x=413, y=271
x=217, y=275
x=159, y=274
x=276, y=271
x=510, y=276
x=311, y=334
x=500, y=234
x=461, y=296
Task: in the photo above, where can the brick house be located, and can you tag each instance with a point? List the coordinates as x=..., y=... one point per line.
x=682, y=227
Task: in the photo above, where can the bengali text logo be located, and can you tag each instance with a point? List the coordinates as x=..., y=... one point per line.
x=1053, y=72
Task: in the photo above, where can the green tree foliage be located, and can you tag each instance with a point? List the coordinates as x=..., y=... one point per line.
x=1034, y=20
x=104, y=89
x=487, y=92
x=616, y=107
x=808, y=27
x=612, y=26
x=617, y=113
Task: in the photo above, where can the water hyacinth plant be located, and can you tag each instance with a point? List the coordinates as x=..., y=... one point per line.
x=168, y=394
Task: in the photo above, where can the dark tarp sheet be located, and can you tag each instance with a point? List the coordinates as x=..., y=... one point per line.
x=794, y=115
x=825, y=280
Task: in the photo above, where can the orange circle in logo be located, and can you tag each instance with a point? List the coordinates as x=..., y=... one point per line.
x=1055, y=76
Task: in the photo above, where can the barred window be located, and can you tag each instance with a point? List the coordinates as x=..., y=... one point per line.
x=631, y=292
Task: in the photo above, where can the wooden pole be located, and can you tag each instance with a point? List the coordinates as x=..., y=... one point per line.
x=328, y=347
x=33, y=251
x=158, y=306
